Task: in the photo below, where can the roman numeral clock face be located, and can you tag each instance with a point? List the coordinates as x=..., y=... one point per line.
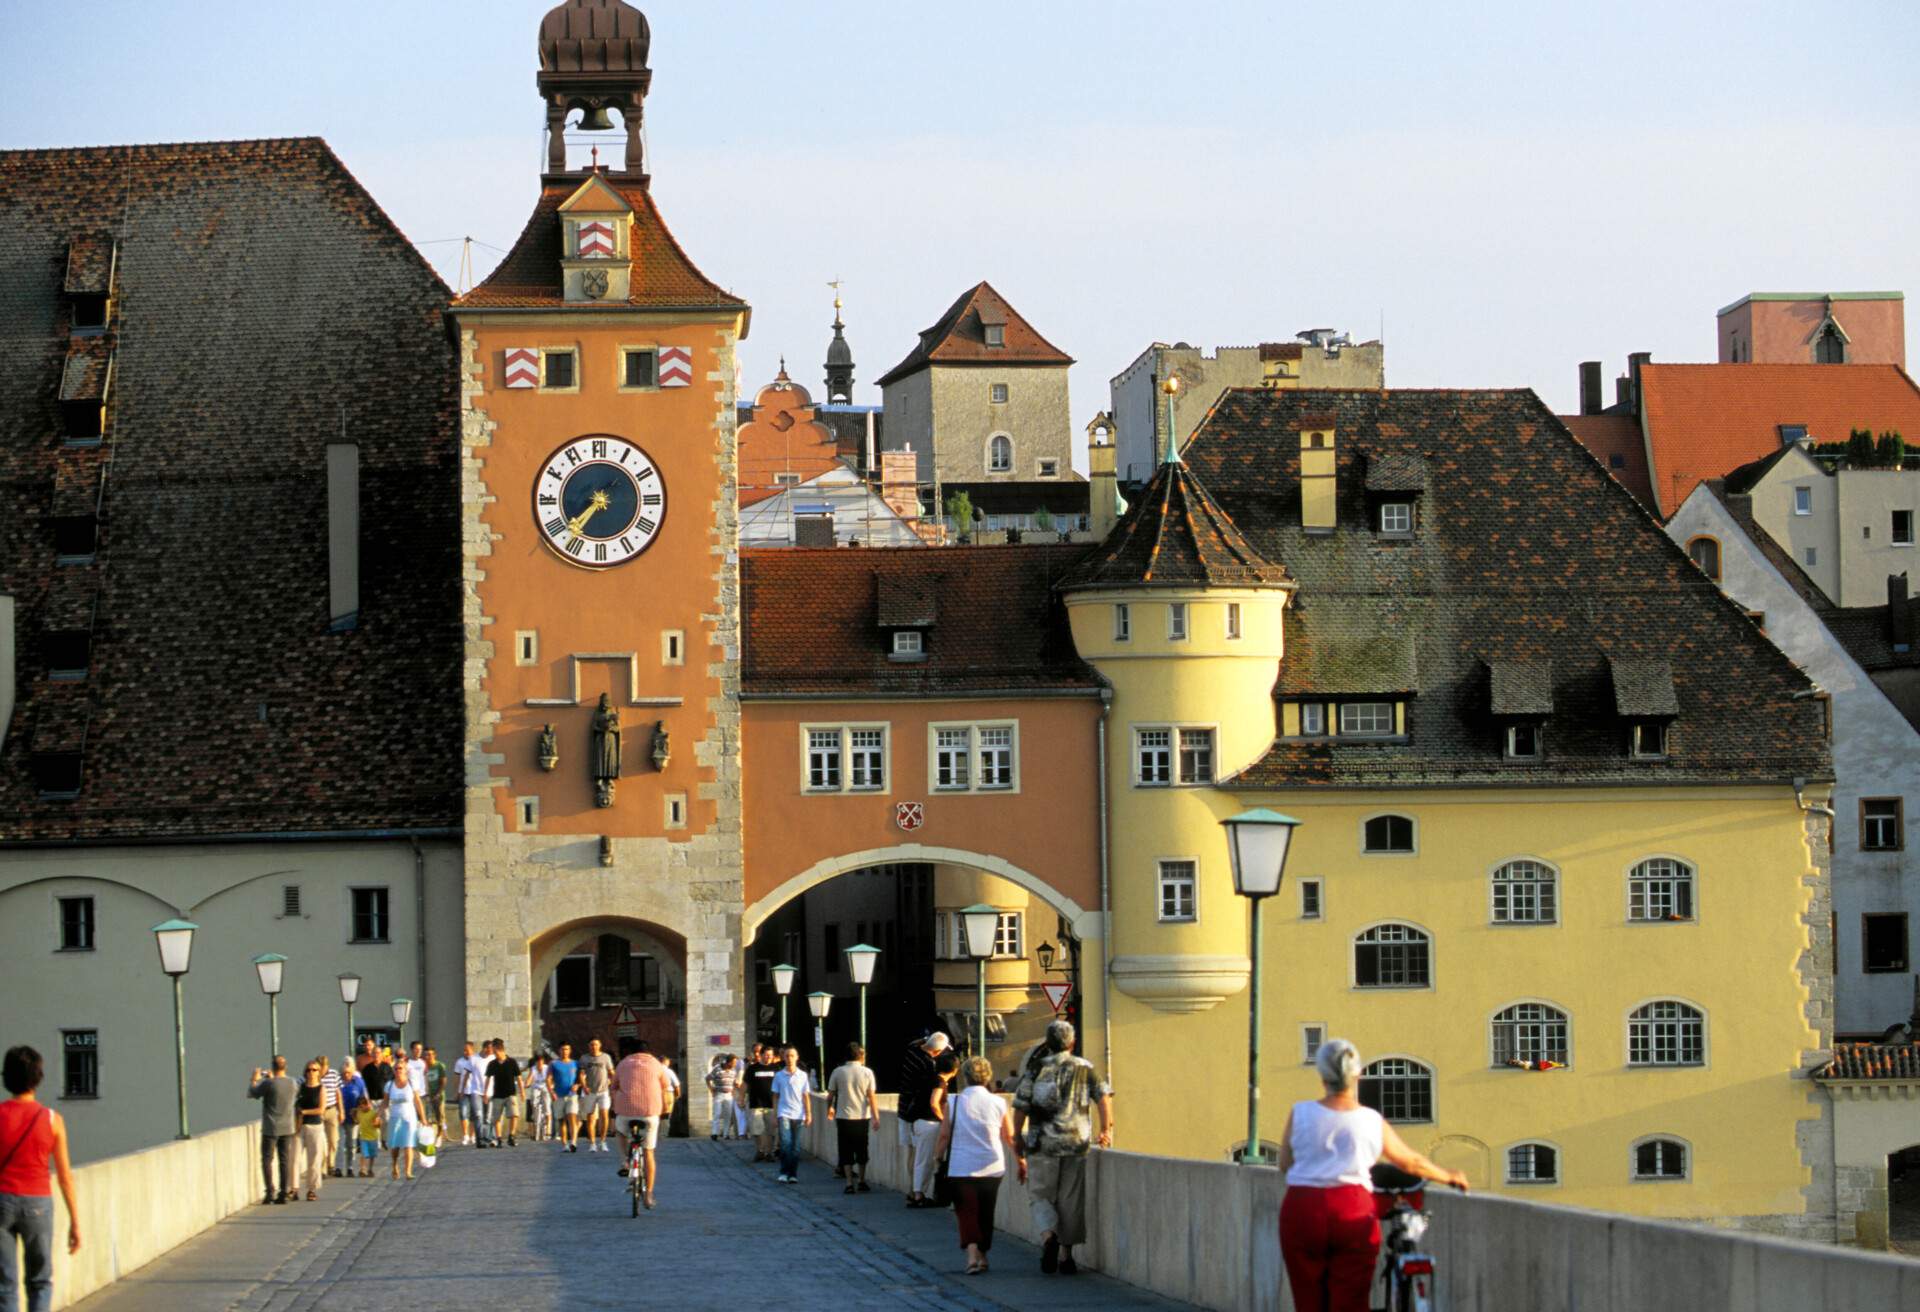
x=599, y=501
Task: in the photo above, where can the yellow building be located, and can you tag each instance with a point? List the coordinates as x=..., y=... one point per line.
x=1553, y=874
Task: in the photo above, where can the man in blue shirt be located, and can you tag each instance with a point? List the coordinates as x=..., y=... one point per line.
x=353, y=1092
x=563, y=1077
x=795, y=1112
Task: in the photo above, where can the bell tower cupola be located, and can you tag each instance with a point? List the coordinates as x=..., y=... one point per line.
x=839, y=356
x=593, y=58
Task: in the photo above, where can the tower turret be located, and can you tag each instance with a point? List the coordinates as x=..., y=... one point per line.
x=839, y=356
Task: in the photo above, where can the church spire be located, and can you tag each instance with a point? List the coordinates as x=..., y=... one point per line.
x=839, y=355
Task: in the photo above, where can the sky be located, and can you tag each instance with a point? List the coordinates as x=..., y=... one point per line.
x=1500, y=190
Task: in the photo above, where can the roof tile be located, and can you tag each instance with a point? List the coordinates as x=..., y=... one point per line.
x=959, y=338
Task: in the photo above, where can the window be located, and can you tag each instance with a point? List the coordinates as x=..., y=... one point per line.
x=1196, y=756
x=1648, y=741
x=557, y=371
x=1153, y=756
x=1397, y=1088
x=997, y=393
x=1830, y=347
x=1233, y=621
x=1000, y=455
x=841, y=758
x=1311, y=1037
x=1178, y=884
x=1523, y=742
x=1803, y=501
x=1524, y=894
x=1533, y=1163
x=1157, y=749
x=676, y=811
x=996, y=756
x=643, y=980
x=1667, y=1033
x=76, y=538
x=69, y=652
x=80, y=1063
x=89, y=313
x=370, y=915
x=1177, y=622
x=1366, y=719
x=1660, y=888
x=909, y=642
x=1792, y=434
x=639, y=368
x=823, y=760
x=1388, y=833
x=950, y=937
x=1883, y=943
x=1660, y=1159
x=1049, y=469
x=1616, y=461
x=1530, y=1032
x=996, y=334
x=785, y=478
x=1903, y=528
x=1396, y=518
x=1812, y=555
x=976, y=757
x=673, y=647
x=1392, y=957
x=1313, y=719
x=1705, y=552
x=573, y=983
x=1122, y=623
x=526, y=647
x=290, y=901
x=951, y=753
x=1008, y=939
x=1310, y=899
x=76, y=924
x=867, y=754
x=528, y=809
x=1882, y=824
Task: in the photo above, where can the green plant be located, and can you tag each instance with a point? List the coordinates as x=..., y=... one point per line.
x=1890, y=452
x=960, y=511
x=1860, y=453
x=1043, y=520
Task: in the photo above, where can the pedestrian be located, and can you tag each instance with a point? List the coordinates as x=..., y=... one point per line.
x=277, y=1123
x=378, y=1073
x=679, y=1091
x=642, y=1093
x=760, y=1073
x=853, y=1108
x=1329, y=1231
x=33, y=1133
x=919, y=1119
x=563, y=1083
x=973, y=1135
x=1054, y=1102
x=353, y=1095
x=309, y=1102
x=366, y=1135
x=401, y=1113
x=793, y=1108
x=331, y=1112
x=417, y=1069
x=470, y=1072
x=536, y=1095
x=367, y=1055
x=505, y=1104
x=596, y=1078
x=720, y=1082
x=433, y=1089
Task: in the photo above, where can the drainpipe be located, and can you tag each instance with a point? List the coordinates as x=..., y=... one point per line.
x=1106, y=900
x=420, y=932
x=1800, y=800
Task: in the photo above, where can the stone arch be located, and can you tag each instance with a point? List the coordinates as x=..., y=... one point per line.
x=546, y=948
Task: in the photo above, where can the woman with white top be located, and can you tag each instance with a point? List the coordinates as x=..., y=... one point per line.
x=402, y=1119
x=1329, y=1231
x=976, y=1129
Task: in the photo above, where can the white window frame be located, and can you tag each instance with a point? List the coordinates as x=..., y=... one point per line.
x=1319, y=727
x=1559, y=1016
x=1162, y=881
x=1494, y=883
x=995, y=335
x=1164, y=756
x=973, y=729
x=1633, y=1160
x=1512, y=741
x=909, y=644
x=1403, y=529
x=1313, y=1033
x=1388, y=851
x=843, y=732
x=1393, y=720
x=1174, y=750
x=1177, y=625
x=1122, y=622
x=992, y=466
x=1893, y=531
x=1319, y=886
x=1531, y=1181
x=1232, y=621
x=1691, y=878
x=1014, y=922
x=1353, y=958
x=1433, y=1085
x=1699, y=1011
x=1803, y=500
x=998, y=393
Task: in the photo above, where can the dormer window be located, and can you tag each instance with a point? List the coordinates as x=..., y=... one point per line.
x=1792, y=434
x=75, y=539
x=909, y=645
x=1313, y=719
x=89, y=314
x=69, y=651
x=1366, y=719
x=996, y=334
x=1523, y=742
x=1649, y=740
x=1396, y=519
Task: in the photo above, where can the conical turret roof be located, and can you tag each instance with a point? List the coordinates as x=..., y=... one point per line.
x=1176, y=536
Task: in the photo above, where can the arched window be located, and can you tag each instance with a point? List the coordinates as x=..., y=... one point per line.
x=1392, y=957
x=1399, y=1088
x=1529, y=1032
x=1000, y=454
x=1705, y=552
x=1830, y=347
x=1526, y=892
x=1533, y=1163
x=1660, y=889
x=1389, y=833
x=1661, y=1159
x=1667, y=1033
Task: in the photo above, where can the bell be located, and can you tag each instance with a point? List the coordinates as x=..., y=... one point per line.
x=593, y=118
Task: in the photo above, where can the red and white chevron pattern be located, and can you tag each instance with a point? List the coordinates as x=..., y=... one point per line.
x=676, y=366
x=596, y=241
x=523, y=366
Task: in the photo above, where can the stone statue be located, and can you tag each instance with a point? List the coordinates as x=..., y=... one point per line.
x=606, y=750
x=548, y=752
x=662, y=748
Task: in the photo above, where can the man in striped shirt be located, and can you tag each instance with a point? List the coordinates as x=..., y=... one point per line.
x=721, y=1080
x=330, y=1111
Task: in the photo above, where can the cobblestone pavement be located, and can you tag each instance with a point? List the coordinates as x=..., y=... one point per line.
x=534, y=1228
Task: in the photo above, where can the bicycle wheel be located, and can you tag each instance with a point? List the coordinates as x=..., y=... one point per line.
x=635, y=1194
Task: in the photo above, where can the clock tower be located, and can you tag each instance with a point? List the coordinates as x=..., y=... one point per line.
x=602, y=597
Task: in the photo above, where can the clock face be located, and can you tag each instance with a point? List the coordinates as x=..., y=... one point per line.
x=599, y=501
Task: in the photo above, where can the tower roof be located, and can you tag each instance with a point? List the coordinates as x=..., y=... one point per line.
x=1177, y=536
x=960, y=337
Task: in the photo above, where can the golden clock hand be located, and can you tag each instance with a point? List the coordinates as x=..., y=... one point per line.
x=595, y=504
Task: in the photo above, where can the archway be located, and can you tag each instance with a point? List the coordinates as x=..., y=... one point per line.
x=1903, y=1201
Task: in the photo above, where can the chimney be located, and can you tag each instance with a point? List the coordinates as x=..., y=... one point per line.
x=1634, y=364
x=343, y=536
x=872, y=462
x=6, y=667
x=1590, y=387
x=1319, y=480
x=1103, y=508
x=899, y=483
x=1899, y=614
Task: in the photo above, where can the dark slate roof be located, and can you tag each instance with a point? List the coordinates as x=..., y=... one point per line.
x=1396, y=471
x=1520, y=687
x=1524, y=550
x=1176, y=536
x=1872, y=1061
x=848, y=424
x=1643, y=686
x=812, y=623
x=89, y=263
x=906, y=599
x=959, y=338
x=263, y=305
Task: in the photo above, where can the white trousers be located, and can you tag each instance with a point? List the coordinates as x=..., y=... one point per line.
x=918, y=1137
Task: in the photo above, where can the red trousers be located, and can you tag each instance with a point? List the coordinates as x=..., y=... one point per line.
x=1330, y=1239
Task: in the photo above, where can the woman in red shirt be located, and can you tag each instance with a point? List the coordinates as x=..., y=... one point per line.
x=29, y=1134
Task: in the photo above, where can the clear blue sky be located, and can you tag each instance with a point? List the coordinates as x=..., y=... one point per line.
x=1512, y=187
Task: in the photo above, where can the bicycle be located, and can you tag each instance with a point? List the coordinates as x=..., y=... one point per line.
x=637, y=1166
x=1406, y=1272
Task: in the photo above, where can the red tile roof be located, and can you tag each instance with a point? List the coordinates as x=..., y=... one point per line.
x=1705, y=420
x=1872, y=1061
x=960, y=338
x=1616, y=443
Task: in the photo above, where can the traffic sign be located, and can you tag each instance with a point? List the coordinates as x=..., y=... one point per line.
x=626, y=1025
x=1056, y=994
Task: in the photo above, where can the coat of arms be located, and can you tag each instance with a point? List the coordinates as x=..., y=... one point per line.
x=594, y=283
x=909, y=815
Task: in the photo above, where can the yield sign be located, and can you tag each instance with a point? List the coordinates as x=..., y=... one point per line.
x=1056, y=994
x=626, y=1025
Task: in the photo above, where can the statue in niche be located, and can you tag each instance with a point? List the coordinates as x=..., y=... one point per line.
x=606, y=750
x=549, y=750
x=662, y=748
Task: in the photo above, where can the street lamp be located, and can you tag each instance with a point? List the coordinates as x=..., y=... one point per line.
x=783, y=985
x=271, y=966
x=402, y=1013
x=175, y=941
x=350, y=994
x=1257, y=842
x=981, y=925
x=861, y=959
x=820, y=1004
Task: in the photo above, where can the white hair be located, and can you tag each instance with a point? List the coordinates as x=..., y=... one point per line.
x=938, y=1042
x=1338, y=1062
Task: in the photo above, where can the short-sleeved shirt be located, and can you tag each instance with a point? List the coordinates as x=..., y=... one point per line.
x=641, y=1086
x=977, y=1114
x=849, y=1089
x=367, y=1123
x=564, y=1075
x=537, y=1079
x=417, y=1072
x=330, y=1083
x=473, y=1073
x=353, y=1092
x=790, y=1094
x=276, y=1095
x=917, y=1081
x=760, y=1084
x=505, y=1075
x=596, y=1072
x=721, y=1081
x=435, y=1079
x=378, y=1075
x=1057, y=1091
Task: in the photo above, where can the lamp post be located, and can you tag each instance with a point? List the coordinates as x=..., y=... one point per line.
x=981, y=924
x=783, y=985
x=861, y=959
x=175, y=941
x=349, y=994
x=402, y=1013
x=1257, y=842
x=271, y=967
x=820, y=1004
x=1046, y=953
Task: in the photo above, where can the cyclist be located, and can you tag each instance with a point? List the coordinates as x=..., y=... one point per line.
x=1329, y=1232
x=642, y=1099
